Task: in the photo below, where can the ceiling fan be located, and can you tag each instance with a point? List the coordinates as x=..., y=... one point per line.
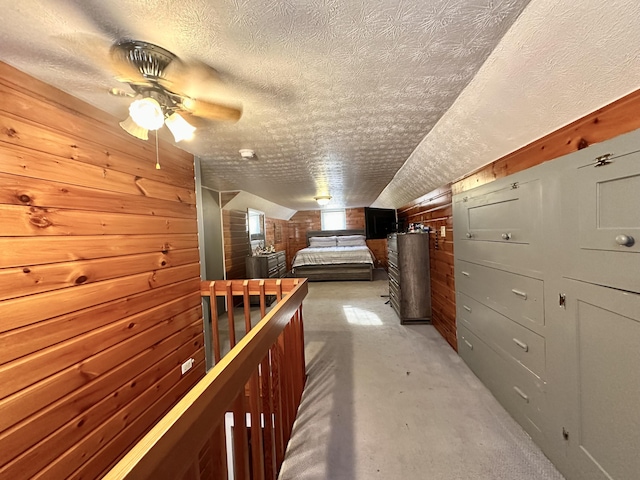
x=162, y=83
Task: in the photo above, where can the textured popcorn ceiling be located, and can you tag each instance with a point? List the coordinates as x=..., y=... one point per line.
x=337, y=95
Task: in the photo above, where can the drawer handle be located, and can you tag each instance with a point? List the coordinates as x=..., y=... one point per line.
x=466, y=274
x=521, y=344
x=520, y=293
x=625, y=240
x=524, y=396
x=469, y=235
x=468, y=309
x=506, y=236
x=468, y=344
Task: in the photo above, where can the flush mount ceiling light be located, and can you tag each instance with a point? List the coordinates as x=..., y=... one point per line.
x=247, y=153
x=322, y=199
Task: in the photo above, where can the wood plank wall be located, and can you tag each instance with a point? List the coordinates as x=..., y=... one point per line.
x=434, y=208
x=277, y=234
x=235, y=231
x=99, y=283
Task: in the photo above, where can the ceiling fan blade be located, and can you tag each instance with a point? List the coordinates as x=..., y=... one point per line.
x=125, y=70
x=213, y=111
x=191, y=79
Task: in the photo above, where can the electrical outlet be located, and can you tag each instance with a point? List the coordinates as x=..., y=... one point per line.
x=186, y=366
x=443, y=231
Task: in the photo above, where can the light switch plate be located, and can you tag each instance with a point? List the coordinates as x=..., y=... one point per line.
x=443, y=231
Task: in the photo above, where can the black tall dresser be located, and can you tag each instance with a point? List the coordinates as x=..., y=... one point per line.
x=409, y=276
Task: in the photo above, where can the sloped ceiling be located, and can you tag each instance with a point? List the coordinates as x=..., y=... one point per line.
x=338, y=94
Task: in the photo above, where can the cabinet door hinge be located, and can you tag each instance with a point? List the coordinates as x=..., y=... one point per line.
x=562, y=300
x=565, y=433
x=603, y=160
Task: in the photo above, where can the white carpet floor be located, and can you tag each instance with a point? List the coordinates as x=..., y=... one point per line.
x=386, y=401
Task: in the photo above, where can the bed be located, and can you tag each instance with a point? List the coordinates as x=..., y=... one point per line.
x=322, y=262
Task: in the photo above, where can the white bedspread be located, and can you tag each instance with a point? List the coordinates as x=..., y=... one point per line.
x=332, y=256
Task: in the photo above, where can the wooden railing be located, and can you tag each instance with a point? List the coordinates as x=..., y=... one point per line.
x=244, y=408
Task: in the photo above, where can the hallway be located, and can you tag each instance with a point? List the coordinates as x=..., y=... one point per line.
x=385, y=401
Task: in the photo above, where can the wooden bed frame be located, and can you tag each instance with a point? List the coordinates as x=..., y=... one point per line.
x=346, y=271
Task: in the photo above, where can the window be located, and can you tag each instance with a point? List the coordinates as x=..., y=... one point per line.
x=333, y=219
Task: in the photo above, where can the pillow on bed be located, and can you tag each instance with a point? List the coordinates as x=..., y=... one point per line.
x=322, y=241
x=352, y=241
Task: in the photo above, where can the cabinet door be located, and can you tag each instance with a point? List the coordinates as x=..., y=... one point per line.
x=499, y=224
x=598, y=387
x=605, y=203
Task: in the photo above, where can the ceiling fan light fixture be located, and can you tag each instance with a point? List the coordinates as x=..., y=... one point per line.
x=147, y=113
x=179, y=127
x=322, y=199
x=132, y=128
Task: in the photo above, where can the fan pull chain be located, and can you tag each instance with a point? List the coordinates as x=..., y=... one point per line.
x=157, y=153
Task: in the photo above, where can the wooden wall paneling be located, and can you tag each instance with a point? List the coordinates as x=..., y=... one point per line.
x=379, y=248
x=278, y=235
x=27, y=310
x=19, y=190
x=355, y=218
x=58, y=429
x=434, y=210
x=17, y=221
x=76, y=389
x=50, y=249
x=14, y=132
x=17, y=282
x=99, y=282
x=30, y=369
x=23, y=341
x=235, y=232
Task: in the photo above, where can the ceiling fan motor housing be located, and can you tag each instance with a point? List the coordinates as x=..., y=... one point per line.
x=151, y=60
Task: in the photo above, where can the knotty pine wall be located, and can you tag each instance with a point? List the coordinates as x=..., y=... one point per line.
x=434, y=208
x=99, y=283
x=235, y=231
x=277, y=234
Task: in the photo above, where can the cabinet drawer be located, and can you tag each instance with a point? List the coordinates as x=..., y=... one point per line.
x=517, y=297
x=395, y=289
x=521, y=393
x=500, y=226
x=604, y=202
x=272, y=262
x=394, y=272
x=510, y=339
x=392, y=242
x=392, y=258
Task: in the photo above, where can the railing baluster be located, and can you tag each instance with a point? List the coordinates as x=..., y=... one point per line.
x=267, y=411
x=263, y=300
x=219, y=453
x=246, y=300
x=257, y=450
x=215, y=328
x=240, y=438
x=232, y=324
x=278, y=410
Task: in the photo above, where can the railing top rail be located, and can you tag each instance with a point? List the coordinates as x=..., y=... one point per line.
x=192, y=419
x=271, y=286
